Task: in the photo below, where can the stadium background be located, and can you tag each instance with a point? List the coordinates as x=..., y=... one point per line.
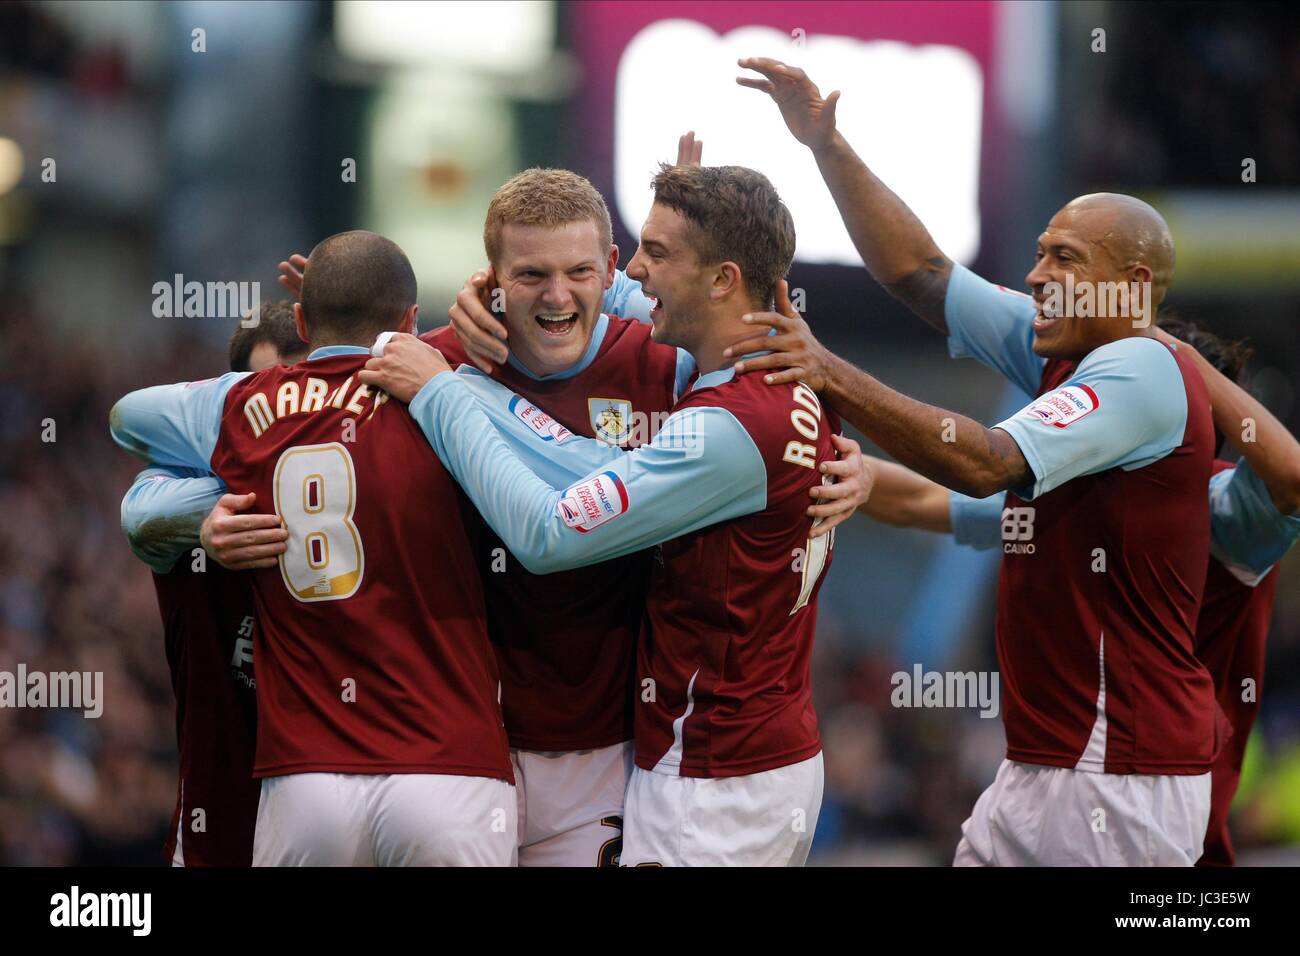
x=216, y=164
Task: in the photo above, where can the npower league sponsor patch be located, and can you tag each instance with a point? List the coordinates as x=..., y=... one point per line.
x=1065, y=406
x=546, y=427
x=589, y=504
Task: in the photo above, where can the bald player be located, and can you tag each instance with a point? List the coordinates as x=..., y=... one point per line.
x=1109, y=715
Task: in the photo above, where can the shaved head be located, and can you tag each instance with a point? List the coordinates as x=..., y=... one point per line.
x=356, y=285
x=1116, y=254
x=1129, y=230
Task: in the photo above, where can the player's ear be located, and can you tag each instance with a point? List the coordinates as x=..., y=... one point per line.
x=726, y=282
x=300, y=321
x=408, y=320
x=611, y=266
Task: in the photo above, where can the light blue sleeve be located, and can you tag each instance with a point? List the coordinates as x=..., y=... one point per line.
x=1248, y=535
x=701, y=468
x=1125, y=407
x=173, y=425
x=976, y=522
x=545, y=447
x=163, y=510
x=625, y=298
x=994, y=325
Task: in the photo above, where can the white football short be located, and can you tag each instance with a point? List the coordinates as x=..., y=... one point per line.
x=571, y=805
x=758, y=819
x=1032, y=815
x=401, y=819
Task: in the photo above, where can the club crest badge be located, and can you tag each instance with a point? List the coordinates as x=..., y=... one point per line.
x=611, y=419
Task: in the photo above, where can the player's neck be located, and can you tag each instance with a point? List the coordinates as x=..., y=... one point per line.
x=708, y=354
x=719, y=335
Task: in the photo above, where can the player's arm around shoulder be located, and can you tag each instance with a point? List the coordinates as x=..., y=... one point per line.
x=162, y=512
x=546, y=447
x=1248, y=534
x=701, y=468
x=173, y=425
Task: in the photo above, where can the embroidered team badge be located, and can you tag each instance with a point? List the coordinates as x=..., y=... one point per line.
x=546, y=427
x=1065, y=406
x=589, y=504
x=611, y=419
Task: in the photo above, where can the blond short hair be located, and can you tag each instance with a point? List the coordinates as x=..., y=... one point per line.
x=545, y=197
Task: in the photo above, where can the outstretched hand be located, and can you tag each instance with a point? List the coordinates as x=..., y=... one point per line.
x=810, y=118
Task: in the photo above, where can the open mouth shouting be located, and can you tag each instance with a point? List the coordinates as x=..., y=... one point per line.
x=557, y=323
x=657, y=305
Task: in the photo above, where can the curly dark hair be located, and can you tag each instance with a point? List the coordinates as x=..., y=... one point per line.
x=1229, y=356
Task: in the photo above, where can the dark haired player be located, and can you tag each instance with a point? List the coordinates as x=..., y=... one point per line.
x=379, y=731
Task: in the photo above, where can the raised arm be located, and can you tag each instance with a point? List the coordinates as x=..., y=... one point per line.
x=894, y=244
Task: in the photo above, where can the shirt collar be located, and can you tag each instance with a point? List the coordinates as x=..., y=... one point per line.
x=329, y=351
x=724, y=374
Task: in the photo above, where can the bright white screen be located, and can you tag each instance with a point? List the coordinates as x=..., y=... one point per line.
x=912, y=112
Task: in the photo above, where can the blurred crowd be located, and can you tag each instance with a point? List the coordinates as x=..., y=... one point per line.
x=73, y=598
x=1222, y=84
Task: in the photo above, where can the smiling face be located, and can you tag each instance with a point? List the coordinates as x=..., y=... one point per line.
x=554, y=279
x=1071, y=246
x=1096, y=242
x=670, y=272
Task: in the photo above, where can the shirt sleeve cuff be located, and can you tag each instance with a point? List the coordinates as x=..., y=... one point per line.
x=972, y=522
